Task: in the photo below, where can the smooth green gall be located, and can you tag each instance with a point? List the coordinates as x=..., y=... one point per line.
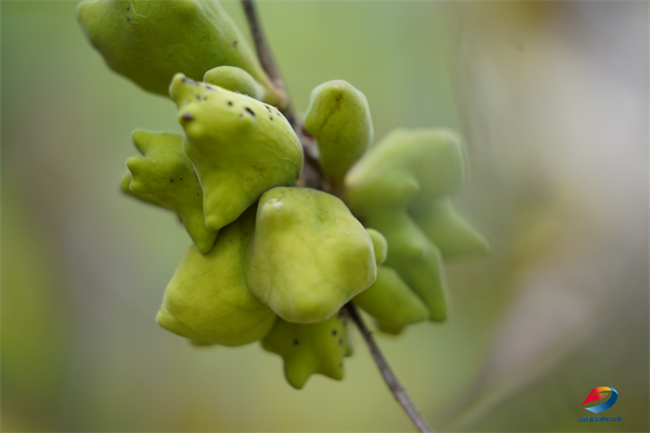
x=165, y=175
x=407, y=170
x=239, y=147
x=310, y=348
x=207, y=300
x=391, y=302
x=309, y=255
x=236, y=80
x=339, y=119
x=151, y=41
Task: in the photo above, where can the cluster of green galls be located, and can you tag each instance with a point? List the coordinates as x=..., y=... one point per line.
x=271, y=261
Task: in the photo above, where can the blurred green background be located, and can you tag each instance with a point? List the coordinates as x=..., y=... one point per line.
x=552, y=101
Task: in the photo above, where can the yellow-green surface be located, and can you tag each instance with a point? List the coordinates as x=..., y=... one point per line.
x=548, y=103
x=309, y=255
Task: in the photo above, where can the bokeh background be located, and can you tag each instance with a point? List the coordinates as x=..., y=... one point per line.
x=552, y=100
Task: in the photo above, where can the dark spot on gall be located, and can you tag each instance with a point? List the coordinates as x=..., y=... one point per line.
x=181, y=178
x=333, y=331
x=268, y=109
x=340, y=342
x=188, y=116
x=230, y=103
x=171, y=180
x=270, y=118
x=128, y=9
x=241, y=115
x=234, y=44
x=251, y=112
x=295, y=342
x=128, y=18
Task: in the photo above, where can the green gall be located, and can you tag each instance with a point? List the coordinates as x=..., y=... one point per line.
x=339, y=119
x=379, y=244
x=239, y=147
x=309, y=255
x=207, y=300
x=235, y=80
x=310, y=348
x=151, y=41
x=164, y=176
x=449, y=230
x=391, y=302
x=409, y=169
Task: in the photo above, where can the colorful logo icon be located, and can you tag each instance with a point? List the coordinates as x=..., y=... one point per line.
x=606, y=393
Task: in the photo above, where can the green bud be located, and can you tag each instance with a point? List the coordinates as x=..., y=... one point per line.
x=151, y=41
x=239, y=147
x=309, y=255
x=207, y=299
x=379, y=244
x=164, y=176
x=339, y=119
x=392, y=302
x=235, y=80
x=310, y=348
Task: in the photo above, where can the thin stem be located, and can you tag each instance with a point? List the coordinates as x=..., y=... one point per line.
x=266, y=57
x=389, y=377
x=313, y=177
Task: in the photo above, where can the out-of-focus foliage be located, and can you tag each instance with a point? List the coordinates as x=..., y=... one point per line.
x=551, y=100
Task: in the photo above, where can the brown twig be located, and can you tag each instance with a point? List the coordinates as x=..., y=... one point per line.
x=389, y=377
x=266, y=57
x=313, y=177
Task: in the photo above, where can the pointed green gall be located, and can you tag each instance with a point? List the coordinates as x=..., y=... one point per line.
x=238, y=146
x=339, y=119
x=309, y=255
x=166, y=175
x=125, y=184
x=151, y=41
x=310, y=348
x=236, y=80
x=391, y=302
x=207, y=299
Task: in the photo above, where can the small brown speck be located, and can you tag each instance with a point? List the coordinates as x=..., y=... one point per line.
x=295, y=342
x=188, y=116
x=241, y=115
x=128, y=9
x=340, y=342
x=171, y=180
x=198, y=97
x=234, y=44
x=251, y=112
x=333, y=331
x=128, y=18
x=270, y=118
x=230, y=103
